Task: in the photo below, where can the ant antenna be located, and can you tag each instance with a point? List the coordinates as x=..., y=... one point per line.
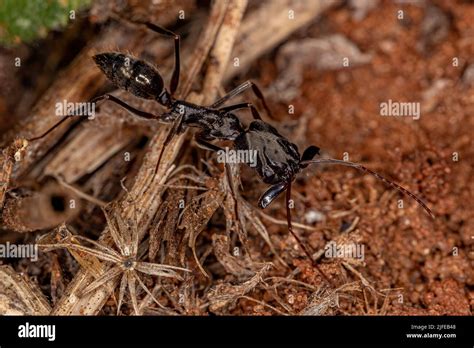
x=378, y=176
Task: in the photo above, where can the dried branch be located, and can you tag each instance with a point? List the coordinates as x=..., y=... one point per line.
x=269, y=25
x=19, y=296
x=222, y=49
x=204, y=45
x=226, y=294
x=87, y=151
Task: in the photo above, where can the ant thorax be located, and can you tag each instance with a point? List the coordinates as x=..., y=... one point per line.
x=215, y=124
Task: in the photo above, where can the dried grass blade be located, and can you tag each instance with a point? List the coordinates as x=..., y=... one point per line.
x=108, y=275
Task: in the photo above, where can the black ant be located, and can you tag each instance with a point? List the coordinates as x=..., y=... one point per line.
x=278, y=160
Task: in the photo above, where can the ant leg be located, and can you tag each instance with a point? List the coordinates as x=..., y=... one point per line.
x=211, y=147
x=96, y=100
x=105, y=97
x=49, y=130
x=175, y=129
x=250, y=106
x=201, y=141
x=136, y=112
x=239, y=89
x=298, y=240
x=174, y=82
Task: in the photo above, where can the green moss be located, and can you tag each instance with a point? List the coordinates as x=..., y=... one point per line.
x=27, y=20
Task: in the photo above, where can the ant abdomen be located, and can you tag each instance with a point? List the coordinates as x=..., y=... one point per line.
x=133, y=75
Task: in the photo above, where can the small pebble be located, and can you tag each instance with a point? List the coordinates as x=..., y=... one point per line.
x=313, y=216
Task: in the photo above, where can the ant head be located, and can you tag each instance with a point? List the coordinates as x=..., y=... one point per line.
x=278, y=159
x=133, y=75
x=275, y=190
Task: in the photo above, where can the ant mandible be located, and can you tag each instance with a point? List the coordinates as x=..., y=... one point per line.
x=278, y=159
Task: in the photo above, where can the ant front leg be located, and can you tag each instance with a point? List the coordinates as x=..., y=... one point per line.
x=241, y=88
x=250, y=106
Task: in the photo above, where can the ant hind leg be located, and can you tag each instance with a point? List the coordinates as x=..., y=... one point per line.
x=122, y=104
x=250, y=106
x=241, y=88
x=174, y=82
x=175, y=129
x=102, y=98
